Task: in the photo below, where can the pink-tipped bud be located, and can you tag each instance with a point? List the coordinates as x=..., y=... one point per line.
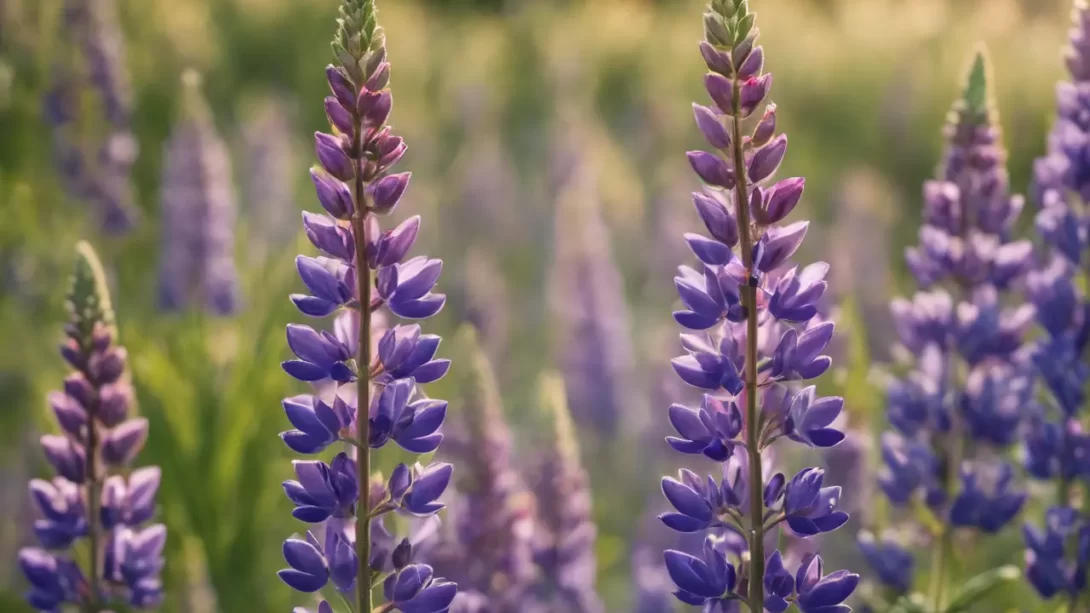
x=766, y=128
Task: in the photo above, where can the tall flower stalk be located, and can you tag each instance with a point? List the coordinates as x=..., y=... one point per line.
x=95, y=497
x=488, y=545
x=764, y=336
x=970, y=381
x=1057, y=448
x=363, y=269
x=565, y=532
x=199, y=212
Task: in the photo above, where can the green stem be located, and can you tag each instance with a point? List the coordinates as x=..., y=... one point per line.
x=749, y=297
x=363, y=363
x=94, y=501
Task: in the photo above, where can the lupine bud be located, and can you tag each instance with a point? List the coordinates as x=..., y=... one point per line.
x=767, y=159
x=341, y=86
x=338, y=115
x=753, y=64
x=380, y=78
x=721, y=92
x=717, y=61
x=766, y=129
x=333, y=195
x=332, y=156
x=717, y=219
x=711, y=169
x=711, y=126
x=753, y=93
x=387, y=191
x=781, y=200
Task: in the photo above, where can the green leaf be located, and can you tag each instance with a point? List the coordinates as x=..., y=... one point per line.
x=981, y=586
x=976, y=95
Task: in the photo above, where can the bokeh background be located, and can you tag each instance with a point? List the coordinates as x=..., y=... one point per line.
x=546, y=140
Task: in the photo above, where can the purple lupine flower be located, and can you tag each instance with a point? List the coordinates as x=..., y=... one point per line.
x=586, y=295
x=756, y=317
x=488, y=549
x=366, y=376
x=960, y=321
x=565, y=533
x=100, y=176
x=1056, y=448
x=199, y=211
x=91, y=459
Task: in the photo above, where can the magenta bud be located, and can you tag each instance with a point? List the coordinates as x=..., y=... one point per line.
x=380, y=78
x=374, y=106
x=338, y=116
x=396, y=243
x=753, y=93
x=766, y=128
x=711, y=127
x=70, y=415
x=390, y=151
x=72, y=354
x=121, y=444
x=752, y=64
x=721, y=92
x=332, y=157
x=711, y=169
x=767, y=159
x=781, y=200
x=341, y=86
x=717, y=61
x=108, y=366
x=101, y=337
x=68, y=458
x=79, y=389
x=114, y=402
x=333, y=195
x=720, y=223
x=387, y=191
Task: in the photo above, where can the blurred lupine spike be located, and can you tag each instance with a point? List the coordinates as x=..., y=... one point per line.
x=965, y=324
x=565, y=532
x=199, y=212
x=367, y=378
x=730, y=303
x=489, y=549
x=92, y=499
x=95, y=171
x=1057, y=448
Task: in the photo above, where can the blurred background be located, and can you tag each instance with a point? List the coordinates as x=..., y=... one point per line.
x=546, y=140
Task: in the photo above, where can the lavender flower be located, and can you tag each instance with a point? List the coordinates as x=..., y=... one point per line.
x=363, y=269
x=489, y=548
x=752, y=314
x=92, y=498
x=586, y=294
x=1056, y=448
x=965, y=263
x=198, y=212
x=565, y=532
x=100, y=175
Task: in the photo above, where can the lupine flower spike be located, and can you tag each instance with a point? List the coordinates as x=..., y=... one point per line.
x=96, y=497
x=957, y=323
x=565, y=532
x=1056, y=448
x=488, y=547
x=754, y=335
x=199, y=211
x=361, y=271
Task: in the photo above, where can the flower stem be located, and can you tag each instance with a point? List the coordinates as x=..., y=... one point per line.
x=93, y=502
x=363, y=396
x=749, y=296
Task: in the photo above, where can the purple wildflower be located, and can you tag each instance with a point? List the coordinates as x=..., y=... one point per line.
x=199, y=213
x=92, y=498
x=363, y=269
x=754, y=314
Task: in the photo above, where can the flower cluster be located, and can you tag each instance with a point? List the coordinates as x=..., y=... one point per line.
x=488, y=546
x=95, y=497
x=362, y=270
x=1056, y=448
x=199, y=211
x=97, y=70
x=970, y=381
x=565, y=532
x=755, y=333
